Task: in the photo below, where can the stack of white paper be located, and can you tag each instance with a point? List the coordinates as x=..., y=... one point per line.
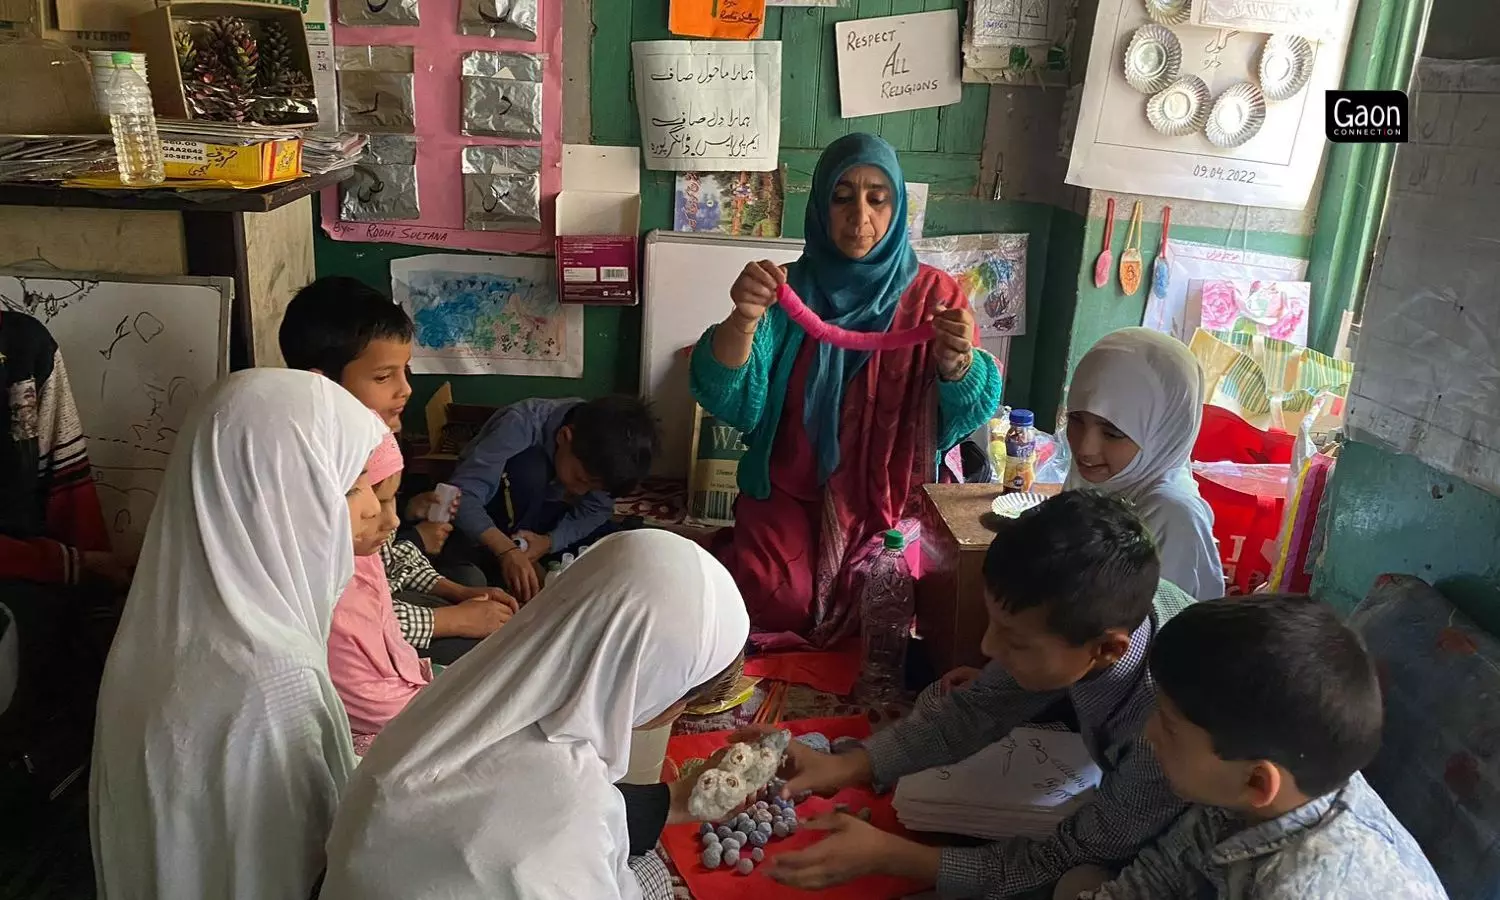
x=1023, y=785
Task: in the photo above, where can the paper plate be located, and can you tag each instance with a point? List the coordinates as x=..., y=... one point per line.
x=1237, y=115
x=1012, y=505
x=1181, y=109
x=1285, y=66
x=1152, y=59
x=1169, y=12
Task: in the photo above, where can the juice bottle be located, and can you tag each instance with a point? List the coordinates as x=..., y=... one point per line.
x=1020, y=452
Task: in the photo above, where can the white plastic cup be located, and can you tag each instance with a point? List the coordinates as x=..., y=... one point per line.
x=439, y=511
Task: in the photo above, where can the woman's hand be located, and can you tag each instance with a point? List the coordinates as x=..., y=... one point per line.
x=754, y=292
x=954, y=343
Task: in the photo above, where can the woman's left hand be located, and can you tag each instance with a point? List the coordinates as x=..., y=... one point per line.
x=954, y=343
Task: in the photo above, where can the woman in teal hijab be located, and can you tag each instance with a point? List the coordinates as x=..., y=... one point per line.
x=838, y=441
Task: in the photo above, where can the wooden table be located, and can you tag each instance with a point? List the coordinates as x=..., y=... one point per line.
x=951, y=616
x=262, y=238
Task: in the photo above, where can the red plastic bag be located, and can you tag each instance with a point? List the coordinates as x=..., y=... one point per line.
x=1247, y=510
x=1225, y=437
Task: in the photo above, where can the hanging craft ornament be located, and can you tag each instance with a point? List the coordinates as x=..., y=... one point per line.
x=1106, y=256
x=842, y=338
x=1161, y=269
x=1130, y=262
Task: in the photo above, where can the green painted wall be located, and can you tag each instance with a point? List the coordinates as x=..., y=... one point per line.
x=940, y=147
x=1392, y=513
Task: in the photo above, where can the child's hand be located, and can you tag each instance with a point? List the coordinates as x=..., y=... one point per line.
x=420, y=506
x=957, y=678
x=496, y=595
x=520, y=574
x=479, y=617
x=434, y=536
x=537, y=545
x=852, y=849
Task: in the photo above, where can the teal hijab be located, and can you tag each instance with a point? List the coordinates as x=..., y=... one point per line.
x=857, y=294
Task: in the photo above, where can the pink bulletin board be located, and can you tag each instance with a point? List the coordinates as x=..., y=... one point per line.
x=438, y=52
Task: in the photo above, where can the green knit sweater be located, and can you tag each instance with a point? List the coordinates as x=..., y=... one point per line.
x=751, y=397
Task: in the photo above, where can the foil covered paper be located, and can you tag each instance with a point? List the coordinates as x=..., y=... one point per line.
x=375, y=13
x=502, y=95
x=376, y=89
x=379, y=193
x=515, y=19
x=502, y=188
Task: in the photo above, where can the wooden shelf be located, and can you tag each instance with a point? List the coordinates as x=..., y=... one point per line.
x=197, y=200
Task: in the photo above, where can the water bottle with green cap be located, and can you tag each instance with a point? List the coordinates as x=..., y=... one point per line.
x=886, y=609
x=132, y=121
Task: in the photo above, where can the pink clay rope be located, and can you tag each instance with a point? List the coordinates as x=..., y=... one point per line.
x=820, y=330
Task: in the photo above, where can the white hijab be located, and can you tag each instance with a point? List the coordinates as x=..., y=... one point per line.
x=497, y=781
x=220, y=745
x=1150, y=386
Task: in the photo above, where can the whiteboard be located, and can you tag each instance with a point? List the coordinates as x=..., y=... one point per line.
x=139, y=352
x=1426, y=371
x=687, y=289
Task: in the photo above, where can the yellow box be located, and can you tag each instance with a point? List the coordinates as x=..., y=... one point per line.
x=256, y=164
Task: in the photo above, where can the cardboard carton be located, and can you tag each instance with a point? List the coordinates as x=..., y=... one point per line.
x=598, y=225
x=152, y=33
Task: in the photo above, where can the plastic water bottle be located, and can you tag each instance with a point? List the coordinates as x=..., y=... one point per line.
x=886, y=610
x=133, y=124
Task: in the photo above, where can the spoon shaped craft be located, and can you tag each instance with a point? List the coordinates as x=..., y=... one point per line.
x=843, y=338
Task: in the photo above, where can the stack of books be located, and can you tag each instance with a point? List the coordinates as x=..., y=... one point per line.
x=1021, y=786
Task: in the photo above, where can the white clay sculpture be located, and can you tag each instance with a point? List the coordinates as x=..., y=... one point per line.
x=743, y=770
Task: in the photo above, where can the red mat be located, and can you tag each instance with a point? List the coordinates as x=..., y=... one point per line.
x=832, y=671
x=681, y=841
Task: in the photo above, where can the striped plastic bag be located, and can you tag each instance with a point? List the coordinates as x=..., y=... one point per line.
x=1269, y=383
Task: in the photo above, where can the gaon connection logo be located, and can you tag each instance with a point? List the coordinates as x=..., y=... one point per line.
x=1366, y=117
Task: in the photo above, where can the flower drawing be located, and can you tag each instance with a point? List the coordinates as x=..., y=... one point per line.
x=1220, y=305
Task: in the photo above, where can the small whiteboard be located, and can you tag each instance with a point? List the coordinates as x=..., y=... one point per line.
x=687, y=289
x=139, y=352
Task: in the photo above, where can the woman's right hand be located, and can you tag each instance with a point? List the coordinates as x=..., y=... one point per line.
x=755, y=290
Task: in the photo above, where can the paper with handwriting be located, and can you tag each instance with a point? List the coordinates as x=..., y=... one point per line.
x=709, y=105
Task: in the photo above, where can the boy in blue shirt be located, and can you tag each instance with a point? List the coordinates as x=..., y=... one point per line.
x=545, y=474
x=1267, y=708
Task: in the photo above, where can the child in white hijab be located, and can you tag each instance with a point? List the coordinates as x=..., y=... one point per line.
x=1134, y=408
x=497, y=781
x=220, y=745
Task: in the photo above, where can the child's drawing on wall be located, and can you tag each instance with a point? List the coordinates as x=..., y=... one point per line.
x=488, y=315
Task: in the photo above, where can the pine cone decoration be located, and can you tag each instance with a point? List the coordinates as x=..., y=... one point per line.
x=206, y=79
x=275, y=57
x=187, y=51
x=230, y=39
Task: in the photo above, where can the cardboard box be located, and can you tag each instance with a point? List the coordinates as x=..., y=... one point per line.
x=246, y=166
x=31, y=19
x=450, y=426
x=598, y=225
x=152, y=33
x=99, y=15
x=713, y=470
